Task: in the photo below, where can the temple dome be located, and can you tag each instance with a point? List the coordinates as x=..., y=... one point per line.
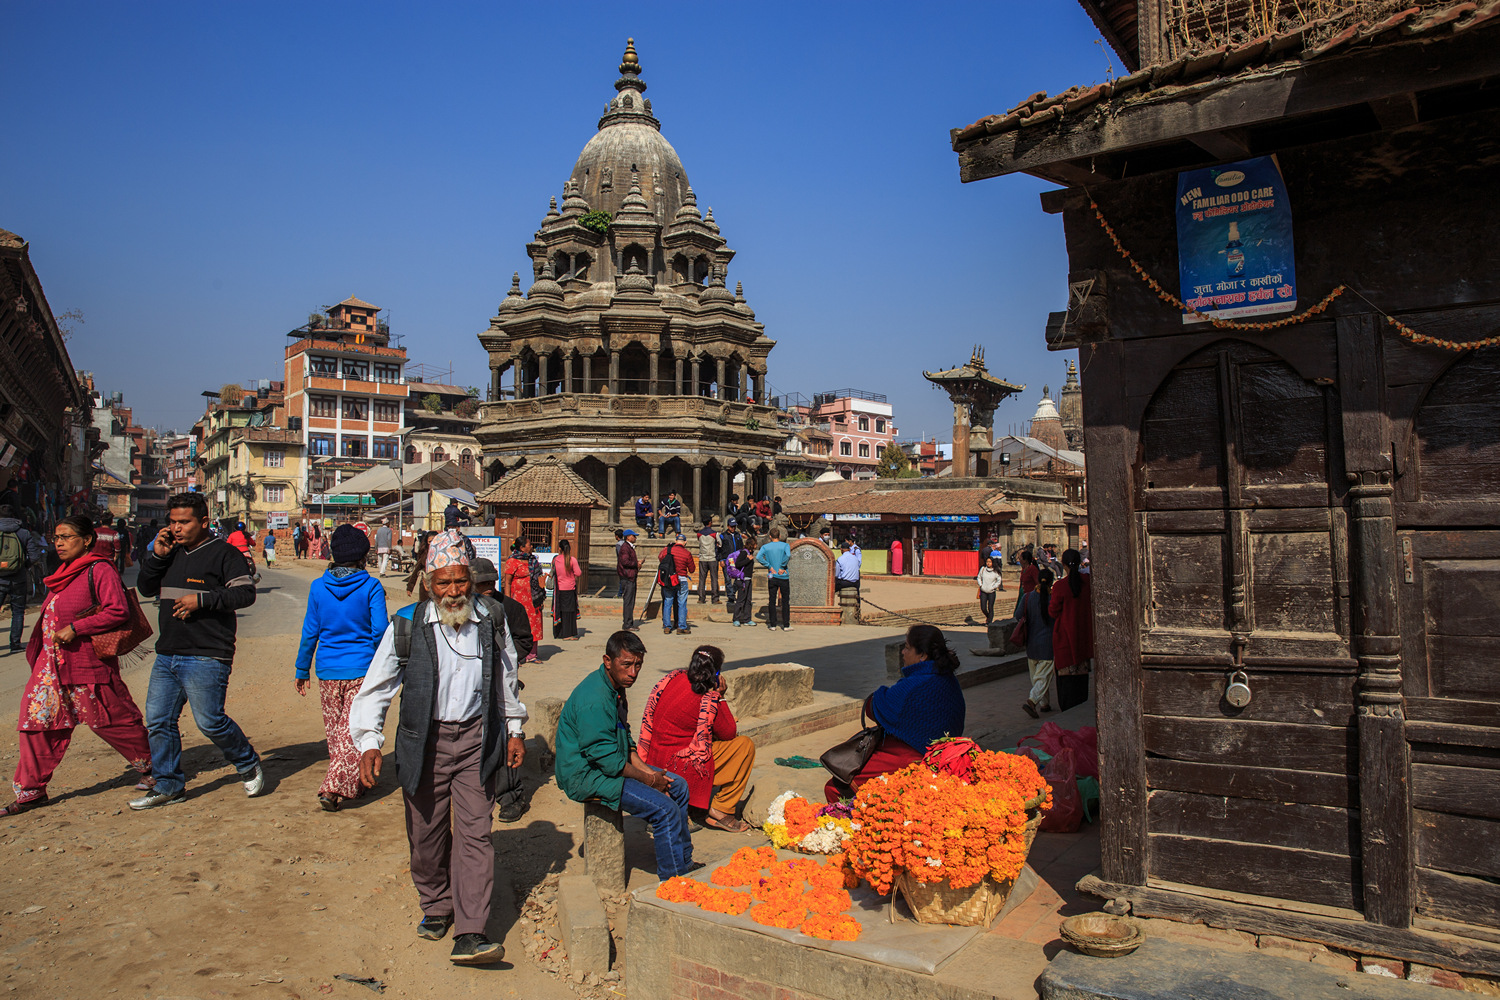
x=629, y=141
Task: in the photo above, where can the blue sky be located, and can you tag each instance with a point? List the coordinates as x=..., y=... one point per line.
x=196, y=177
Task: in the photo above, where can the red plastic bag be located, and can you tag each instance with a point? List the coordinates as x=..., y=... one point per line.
x=1084, y=742
x=1065, y=815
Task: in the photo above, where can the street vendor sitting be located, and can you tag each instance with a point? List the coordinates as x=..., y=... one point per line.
x=597, y=759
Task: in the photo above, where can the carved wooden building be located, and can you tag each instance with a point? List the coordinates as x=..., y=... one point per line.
x=1315, y=503
x=628, y=358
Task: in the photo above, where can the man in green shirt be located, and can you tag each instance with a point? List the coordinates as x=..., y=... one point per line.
x=597, y=760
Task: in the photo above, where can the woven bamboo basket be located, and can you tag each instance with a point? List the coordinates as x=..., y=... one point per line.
x=971, y=906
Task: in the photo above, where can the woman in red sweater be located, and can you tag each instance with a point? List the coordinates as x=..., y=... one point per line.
x=689, y=730
x=70, y=684
x=1072, y=609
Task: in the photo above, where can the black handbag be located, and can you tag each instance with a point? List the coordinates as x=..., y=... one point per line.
x=848, y=758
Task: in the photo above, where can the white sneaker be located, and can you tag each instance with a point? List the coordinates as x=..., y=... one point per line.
x=256, y=784
x=786, y=628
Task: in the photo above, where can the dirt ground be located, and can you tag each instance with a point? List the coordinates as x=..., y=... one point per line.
x=224, y=896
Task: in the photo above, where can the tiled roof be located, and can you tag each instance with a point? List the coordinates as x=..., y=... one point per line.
x=545, y=483
x=1311, y=41
x=354, y=303
x=879, y=497
x=10, y=239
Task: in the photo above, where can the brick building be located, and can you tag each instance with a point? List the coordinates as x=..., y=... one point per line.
x=346, y=391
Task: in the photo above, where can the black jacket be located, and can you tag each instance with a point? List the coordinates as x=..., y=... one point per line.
x=219, y=574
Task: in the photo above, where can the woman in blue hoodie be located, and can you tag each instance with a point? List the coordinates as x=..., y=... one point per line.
x=346, y=618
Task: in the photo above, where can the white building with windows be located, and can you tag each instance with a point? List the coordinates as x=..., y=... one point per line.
x=861, y=424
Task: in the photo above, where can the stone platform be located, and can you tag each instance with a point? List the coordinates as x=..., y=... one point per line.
x=675, y=950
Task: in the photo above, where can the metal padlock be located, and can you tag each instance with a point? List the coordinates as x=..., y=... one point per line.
x=1238, y=692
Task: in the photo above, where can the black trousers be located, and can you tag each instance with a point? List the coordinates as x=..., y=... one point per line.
x=780, y=589
x=627, y=592
x=987, y=606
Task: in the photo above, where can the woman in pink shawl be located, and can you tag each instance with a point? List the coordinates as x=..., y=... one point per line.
x=70, y=684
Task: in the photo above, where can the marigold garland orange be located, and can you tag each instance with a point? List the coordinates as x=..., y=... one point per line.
x=831, y=927
x=779, y=894
x=935, y=826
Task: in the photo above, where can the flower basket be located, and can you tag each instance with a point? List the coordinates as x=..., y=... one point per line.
x=950, y=833
x=940, y=903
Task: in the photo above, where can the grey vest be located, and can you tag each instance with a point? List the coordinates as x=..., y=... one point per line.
x=419, y=694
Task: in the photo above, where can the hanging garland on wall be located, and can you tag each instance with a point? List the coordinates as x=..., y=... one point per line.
x=1224, y=324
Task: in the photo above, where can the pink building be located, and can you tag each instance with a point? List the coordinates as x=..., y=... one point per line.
x=861, y=426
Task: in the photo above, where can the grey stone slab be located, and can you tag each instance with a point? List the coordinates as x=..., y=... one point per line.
x=1159, y=969
x=904, y=944
x=768, y=688
x=604, y=847
x=584, y=926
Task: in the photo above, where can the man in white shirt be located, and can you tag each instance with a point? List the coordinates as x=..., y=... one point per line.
x=460, y=720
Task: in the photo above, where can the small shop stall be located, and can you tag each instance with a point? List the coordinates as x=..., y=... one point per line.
x=544, y=502
x=943, y=525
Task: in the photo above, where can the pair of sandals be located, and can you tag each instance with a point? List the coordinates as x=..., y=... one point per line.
x=729, y=824
x=1031, y=709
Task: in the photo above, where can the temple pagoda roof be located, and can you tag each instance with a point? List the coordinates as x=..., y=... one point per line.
x=973, y=372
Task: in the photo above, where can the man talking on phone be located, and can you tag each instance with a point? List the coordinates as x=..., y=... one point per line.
x=201, y=581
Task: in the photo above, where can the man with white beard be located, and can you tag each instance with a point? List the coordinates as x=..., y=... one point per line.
x=459, y=722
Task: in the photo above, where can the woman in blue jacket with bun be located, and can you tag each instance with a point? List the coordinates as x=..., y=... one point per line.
x=346, y=618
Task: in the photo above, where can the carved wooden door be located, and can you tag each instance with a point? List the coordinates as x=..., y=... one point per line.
x=1243, y=565
x=1450, y=604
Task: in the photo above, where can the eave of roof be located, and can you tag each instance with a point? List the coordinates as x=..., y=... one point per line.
x=1197, y=74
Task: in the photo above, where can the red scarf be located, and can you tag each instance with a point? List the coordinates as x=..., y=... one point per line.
x=58, y=582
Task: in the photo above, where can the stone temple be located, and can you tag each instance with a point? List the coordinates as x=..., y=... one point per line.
x=628, y=358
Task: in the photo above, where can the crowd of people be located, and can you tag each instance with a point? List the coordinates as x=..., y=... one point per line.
x=454, y=655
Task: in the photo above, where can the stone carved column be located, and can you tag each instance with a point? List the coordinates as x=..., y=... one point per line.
x=723, y=485
x=541, y=374
x=698, y=494
x=588, y=373
x=612, y=492
x=696, y=390
x=720, y=384
x=567, y=372
x=614, y=372
x=655, y=367
x=656, y=482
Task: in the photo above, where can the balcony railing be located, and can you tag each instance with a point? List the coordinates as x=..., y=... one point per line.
x=601, y=404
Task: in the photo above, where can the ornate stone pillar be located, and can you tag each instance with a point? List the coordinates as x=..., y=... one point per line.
x=568, y=372
x=771, y=481
x=723, y=484
x=655, y=367
x=655, y=482
x=614, y=373
x=758, y=380
x=696, y=390
x=679, y=376
x=588, y=373
x=517, y=377
x=720, y=394
x=698, y=511
x=612, y=492
x=961, y=446
x=496, y=386
x=541, y=373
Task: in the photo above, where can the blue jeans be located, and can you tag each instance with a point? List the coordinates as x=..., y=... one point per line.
x=674, y=605
x=200, y=682
x=668, y=818
x=675, y=522
x=13, y=589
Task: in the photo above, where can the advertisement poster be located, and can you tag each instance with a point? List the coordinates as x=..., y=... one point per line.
x=1234, y=240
